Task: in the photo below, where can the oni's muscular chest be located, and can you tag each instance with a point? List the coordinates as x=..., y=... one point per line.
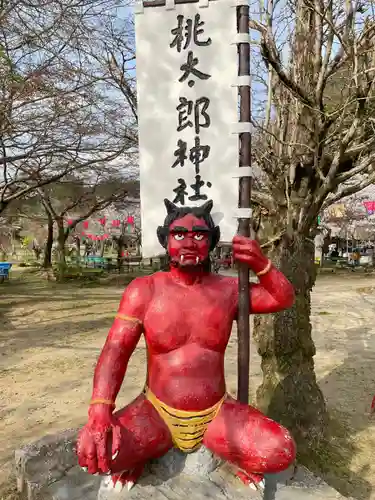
x=179, y=315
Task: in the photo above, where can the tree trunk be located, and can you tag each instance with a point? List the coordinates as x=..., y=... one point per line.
x=289, y=392
x=47, y=259
x=61, y=240
x=78, y=245
x=120, y=249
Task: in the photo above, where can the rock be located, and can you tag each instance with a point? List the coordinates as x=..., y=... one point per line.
x=48, y=470
x=175, y=462
x=45, y=462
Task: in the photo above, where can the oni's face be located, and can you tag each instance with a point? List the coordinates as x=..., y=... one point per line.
x=188, y=241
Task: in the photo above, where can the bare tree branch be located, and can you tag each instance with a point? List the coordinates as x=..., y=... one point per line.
x=315, y=140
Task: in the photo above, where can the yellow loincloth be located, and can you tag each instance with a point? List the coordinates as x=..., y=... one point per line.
x=187, y=428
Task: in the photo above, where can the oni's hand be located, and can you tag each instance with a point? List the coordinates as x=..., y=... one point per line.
x=248, y=251
x=99, y=441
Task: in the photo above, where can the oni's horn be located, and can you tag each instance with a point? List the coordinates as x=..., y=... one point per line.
x=171, y=207
x=207, y=207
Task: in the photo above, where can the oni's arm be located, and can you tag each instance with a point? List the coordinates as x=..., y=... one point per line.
x=272, y=294
x=122, y=340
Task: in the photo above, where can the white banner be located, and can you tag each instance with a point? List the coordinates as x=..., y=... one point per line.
x=187, y=111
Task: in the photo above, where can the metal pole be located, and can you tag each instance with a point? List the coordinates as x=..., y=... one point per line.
x=244, y=224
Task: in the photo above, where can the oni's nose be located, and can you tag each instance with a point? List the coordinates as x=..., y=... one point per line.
x=190, y=242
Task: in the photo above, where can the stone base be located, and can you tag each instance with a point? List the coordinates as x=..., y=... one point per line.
x=48, y=470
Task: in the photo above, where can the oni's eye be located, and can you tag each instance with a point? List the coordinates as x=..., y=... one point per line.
x=199, y=237
x=178, y=236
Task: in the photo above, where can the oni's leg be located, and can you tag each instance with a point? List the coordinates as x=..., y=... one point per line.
x=243, y=436
x=144, y=436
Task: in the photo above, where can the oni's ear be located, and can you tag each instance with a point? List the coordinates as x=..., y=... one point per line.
x=162, y=234
x=215, y=237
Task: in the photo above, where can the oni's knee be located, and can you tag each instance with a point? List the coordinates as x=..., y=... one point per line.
x=285, y=451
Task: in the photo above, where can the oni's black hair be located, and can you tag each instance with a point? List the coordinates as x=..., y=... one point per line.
x=174, y=213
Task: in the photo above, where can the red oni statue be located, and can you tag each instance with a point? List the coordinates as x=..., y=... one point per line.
x=186, y=317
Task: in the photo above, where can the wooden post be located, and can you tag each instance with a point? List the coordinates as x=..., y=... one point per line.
x=243, y=361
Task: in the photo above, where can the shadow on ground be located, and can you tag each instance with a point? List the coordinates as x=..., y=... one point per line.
x=341, y=459
x=26, y=337
x=61, y=311
x=349, y=389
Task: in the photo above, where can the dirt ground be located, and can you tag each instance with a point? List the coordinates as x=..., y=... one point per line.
x=51, y=336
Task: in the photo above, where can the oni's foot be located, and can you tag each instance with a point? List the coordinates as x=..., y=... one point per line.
x=116, y=486
x=253, y=481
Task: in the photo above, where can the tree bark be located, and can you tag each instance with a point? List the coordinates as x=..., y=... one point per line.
x=47, y=259
x=289, y=392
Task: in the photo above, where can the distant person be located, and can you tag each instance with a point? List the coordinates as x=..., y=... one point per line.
x=355, y=256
